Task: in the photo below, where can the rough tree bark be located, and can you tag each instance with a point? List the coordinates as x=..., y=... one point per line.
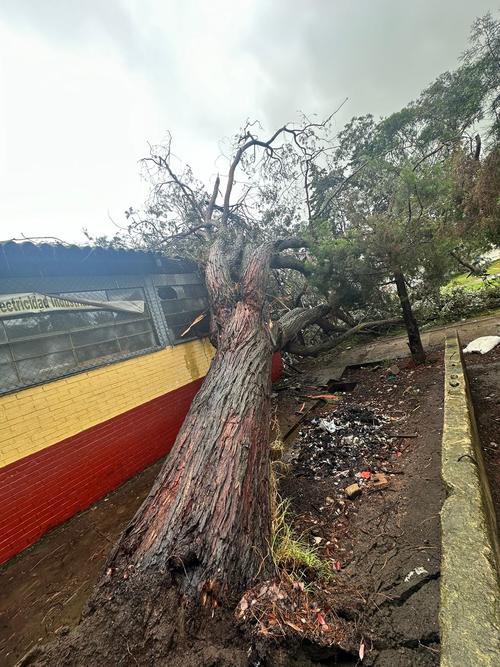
x=207, y=518
x=414, y=340
x=202, y=536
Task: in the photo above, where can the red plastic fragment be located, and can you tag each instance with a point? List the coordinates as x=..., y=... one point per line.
x=321, y=618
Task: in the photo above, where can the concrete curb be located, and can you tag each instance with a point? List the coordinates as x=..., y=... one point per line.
x=470, y=588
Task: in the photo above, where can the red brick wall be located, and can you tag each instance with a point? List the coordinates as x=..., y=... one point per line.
x=44, y=489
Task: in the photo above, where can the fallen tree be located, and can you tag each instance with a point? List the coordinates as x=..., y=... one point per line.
x=202, y=536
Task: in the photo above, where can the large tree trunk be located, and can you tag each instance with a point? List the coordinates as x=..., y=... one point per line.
x=207, y=517
x=202, y=536
x=414, y=341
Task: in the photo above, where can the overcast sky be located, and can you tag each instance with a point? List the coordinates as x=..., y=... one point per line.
x=85, y=84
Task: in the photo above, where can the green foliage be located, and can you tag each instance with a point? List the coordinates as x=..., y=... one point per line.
x=460, y=303
x=292, y=553
x=408, y=193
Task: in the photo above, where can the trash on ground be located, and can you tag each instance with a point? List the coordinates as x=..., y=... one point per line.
x=352, y=439
x=483, y=344
x=379, y=481
x=352, y=491
x=417, y=571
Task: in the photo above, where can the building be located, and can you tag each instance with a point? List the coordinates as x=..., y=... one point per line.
x=99, y=362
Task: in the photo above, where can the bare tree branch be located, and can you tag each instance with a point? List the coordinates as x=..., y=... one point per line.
x=292, y=322
x=314, y=350
x=289, y=262
x=210, y=208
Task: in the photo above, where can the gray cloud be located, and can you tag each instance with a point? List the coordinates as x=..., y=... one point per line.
x=86, y=83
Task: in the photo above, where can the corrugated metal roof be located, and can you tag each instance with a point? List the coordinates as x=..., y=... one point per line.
x=27, y=259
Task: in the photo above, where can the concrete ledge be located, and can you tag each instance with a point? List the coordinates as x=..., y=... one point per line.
x=470, y=591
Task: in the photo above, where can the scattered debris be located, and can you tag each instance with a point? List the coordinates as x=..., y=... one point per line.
x=352, y=491
x=275, y=606
x=379, y=481
x=418, y=571
x=351, y=439
x=483, y=344
x=393, y=370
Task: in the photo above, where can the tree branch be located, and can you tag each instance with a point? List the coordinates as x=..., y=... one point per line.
x=314, y=350
x=210, y=208
x=292, y=242
x=467, y=265
x=289, y=262
x=294, y=321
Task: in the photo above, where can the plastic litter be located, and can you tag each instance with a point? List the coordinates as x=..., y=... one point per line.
x=483, y=344
x=418, y=571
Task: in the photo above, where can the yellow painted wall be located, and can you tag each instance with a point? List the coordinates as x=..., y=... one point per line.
x=38, y=417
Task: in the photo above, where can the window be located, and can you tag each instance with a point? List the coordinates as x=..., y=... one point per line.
x=182, y=304
x=35, y=348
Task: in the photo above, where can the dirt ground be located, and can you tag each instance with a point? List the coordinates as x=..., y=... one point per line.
x=44, y=589
x=383, y=545
x=484, y=381
x=386, y=542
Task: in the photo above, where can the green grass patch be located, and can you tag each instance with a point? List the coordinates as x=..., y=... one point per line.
x=292, y=553
x=474, y=282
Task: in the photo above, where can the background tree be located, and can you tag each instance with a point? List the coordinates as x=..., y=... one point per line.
x=396, y=209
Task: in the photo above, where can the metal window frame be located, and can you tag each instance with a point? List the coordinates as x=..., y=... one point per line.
x=63, y=284
x=173, y=280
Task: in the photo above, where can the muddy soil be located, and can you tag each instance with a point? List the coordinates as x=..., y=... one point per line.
x=383, y=544
x=44, y=589
x=484, y=381
x=386, y=542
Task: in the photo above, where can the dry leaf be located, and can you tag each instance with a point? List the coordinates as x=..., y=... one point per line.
x=295, y=627
x=362, y=650
x=321, y=618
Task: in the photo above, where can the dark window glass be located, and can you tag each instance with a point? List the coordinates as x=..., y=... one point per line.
x=22, y=327
x=130, y=328
x=97, y=351
x=39, y=347
x=96, y=335
x=167, y=293
x=195, y=290
x=5, y=354
x=181, y=305
x=129, y=294
x=138, y=342
x=8, y=376
x=38, y=368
